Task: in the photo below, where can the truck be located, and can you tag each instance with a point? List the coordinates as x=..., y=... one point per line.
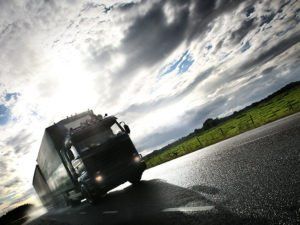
x=83, y=157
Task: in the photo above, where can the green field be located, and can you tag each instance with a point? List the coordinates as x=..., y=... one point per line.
x=266, y=111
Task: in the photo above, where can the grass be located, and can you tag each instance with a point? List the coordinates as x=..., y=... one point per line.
x=266, y=111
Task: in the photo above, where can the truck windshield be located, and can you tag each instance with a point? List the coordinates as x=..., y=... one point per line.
x=97, y=137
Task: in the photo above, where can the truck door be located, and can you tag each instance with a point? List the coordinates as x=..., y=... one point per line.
x=76, y=161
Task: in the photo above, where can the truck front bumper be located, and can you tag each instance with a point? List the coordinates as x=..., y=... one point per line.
x=115, y=178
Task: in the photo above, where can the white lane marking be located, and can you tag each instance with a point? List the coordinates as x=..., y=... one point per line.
x=190, y=209
x=110, y=212
x=83, y=200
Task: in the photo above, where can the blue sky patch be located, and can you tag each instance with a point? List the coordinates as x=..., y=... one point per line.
x=4, y=115
x=185, y=64
x=245, y=47
x=209, y=46
x=266, y=19
x=181, y=65
x=249, y=10
x=10, y=96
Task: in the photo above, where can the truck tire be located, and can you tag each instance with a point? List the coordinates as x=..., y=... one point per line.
x=87, y=195
x=136, y=179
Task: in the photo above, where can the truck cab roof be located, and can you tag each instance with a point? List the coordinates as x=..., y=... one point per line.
x=76, y=123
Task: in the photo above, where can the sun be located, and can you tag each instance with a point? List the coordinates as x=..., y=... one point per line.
x=75, y=90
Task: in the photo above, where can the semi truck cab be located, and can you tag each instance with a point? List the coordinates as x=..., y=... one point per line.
x=101, y=155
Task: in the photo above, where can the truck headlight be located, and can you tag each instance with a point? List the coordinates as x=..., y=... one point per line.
x=136, y=158
x=98, y=177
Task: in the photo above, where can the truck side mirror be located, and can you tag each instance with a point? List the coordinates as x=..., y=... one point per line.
x=127, y=129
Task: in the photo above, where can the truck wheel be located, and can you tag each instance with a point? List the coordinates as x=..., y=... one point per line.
x=87, y=195
x=135, y=180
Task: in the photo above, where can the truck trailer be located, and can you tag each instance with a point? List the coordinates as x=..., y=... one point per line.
x=83, y=157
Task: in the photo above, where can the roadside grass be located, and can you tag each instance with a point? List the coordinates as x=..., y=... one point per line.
x=279, y=106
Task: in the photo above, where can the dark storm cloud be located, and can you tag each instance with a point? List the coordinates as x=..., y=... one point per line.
x=204, y=12
x=243, y=30
x=126, y=6
x=266, y=19
x=204, y=7
x=162, y=102
x=249, y=10
x=268, y=70
x=271, y=53
x=219, y=44
x=150, y=38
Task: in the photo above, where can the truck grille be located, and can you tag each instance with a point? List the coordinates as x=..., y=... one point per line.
x=110, y=158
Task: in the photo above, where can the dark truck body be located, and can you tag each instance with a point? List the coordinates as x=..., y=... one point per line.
x=102, y=160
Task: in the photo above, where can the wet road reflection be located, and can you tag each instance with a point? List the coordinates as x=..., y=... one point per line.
x=153, y=202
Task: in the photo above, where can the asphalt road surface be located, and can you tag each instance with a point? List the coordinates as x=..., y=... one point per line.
x=253, y=178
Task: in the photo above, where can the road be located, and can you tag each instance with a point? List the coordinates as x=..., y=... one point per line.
x=253, y=178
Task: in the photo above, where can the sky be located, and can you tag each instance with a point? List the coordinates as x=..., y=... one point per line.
x=161, y=66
